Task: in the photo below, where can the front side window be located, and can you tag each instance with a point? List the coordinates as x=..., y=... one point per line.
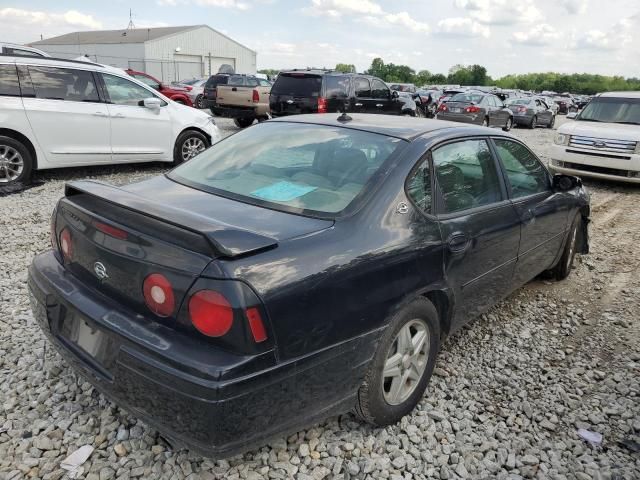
x=419, y=187
x=147, y=81
x=9, y=85
x=291, y=166
x=467, y=175
x=526, y=174
x=63, y=84
x=363, y=89
x=123, y=92
x=379, y=90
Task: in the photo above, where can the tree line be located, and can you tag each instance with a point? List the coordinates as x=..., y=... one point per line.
x=476, y=75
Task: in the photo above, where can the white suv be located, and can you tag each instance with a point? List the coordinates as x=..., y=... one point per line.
x=603, y=141
x=63, y=113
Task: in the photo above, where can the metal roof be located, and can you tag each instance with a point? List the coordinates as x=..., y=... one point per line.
x=137, y=35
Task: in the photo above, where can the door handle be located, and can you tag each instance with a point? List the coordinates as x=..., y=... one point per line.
x=379, y=105
x=119, y=115
x=99, y=114
x=458, y=243
x=358, y=104
x=528, y=216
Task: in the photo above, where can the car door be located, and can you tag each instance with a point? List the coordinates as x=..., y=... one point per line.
x=543, y=212
x=382, y=101
x=545, y=112
x=501, y=112
x=479, y=226
x=69, y=119
x=361, y=101
x=138, y=133
x=490, y=107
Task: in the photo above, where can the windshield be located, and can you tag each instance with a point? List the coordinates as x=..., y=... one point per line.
x=291, y=166
x=467, y=97
x=297, y=85
x=612, y=110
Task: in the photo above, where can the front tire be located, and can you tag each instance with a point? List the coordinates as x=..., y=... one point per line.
x=188, y=145
x=16, y=162
x=509, y=124
x=552, y=122
x=402, y=365
x=564, y=265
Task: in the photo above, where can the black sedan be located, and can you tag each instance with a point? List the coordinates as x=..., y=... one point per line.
x=302, y=267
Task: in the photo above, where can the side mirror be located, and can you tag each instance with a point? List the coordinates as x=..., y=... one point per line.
x=395, y=94
x=152, y=103
x=565, y=183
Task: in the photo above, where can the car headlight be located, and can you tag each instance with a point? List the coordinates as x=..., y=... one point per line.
x=561, y=139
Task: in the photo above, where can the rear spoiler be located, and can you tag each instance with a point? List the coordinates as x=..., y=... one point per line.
x=224, y=240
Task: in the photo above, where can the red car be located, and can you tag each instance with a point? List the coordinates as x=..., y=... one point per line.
x=177, y=94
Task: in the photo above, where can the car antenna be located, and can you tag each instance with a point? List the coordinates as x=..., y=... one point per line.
x=344, y=117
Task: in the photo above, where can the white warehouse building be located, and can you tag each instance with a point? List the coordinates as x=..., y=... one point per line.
x=167, y=53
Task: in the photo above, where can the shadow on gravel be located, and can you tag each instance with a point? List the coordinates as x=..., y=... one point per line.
x=17, y=187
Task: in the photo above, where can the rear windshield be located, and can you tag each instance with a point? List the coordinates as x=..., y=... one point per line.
x=216, y=80
x=612, y=110
x=467, y=97
x=519, y=101
x=314, y=169
x=297, y=85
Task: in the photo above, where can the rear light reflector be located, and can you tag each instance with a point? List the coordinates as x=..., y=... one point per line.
x=158, y=294
x=522, y=109
x=256, y=96
x=472, y=109
x=256, y=324
x=66, y=244
x=442, y=108
x=210, y=313
x=111, y=231
x=322, y=105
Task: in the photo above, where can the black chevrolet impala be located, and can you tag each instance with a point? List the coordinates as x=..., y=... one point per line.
x=297, y=269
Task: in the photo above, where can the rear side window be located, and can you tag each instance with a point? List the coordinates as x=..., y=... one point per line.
x=9, y=85
x=298, y=85
x=467, y=175
x=379, y=89
x=362, y=88
x=526, y=174
x=237, y=80
x=336, y=86
x=19, y=51
x=419, y=187
x=63, y=84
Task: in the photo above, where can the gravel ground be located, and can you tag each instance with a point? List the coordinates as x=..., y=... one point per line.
x=508, y=395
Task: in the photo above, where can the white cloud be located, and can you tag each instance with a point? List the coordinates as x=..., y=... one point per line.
x=405, y=20
x=542, y=34
x=574, y=6
x=207, y=3
x=336, y=8
x=69, y=19
x=500, y=12
x=617, y=37
x=463, y=27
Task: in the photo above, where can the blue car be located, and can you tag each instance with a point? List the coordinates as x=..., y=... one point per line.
x=303, y=267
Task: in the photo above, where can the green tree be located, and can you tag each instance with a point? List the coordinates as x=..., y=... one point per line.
x=346, y=68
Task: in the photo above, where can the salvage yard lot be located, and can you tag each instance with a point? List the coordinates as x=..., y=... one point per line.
x=508, y=395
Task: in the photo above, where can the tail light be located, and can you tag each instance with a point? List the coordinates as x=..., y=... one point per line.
x=522, y=109
x=442, y=108
x=66, y=244
x=158, y=294
x=211, y=313
x=256, y=96
x=472, y=109
x=322, y=105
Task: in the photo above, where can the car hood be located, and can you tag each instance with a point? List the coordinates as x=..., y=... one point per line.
x=615, y=131
x=232, y=213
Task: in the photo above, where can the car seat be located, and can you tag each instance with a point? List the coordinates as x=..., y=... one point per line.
x=452, y=183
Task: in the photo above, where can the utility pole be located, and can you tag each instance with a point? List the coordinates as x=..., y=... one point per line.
x=209, y=56
x=131, y=25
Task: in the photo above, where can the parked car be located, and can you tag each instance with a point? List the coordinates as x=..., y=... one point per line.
x=21, y=50
x=477, y=108
x=410, y=107
x=551, y=103
x=531, y=112
x=565, y=104
x=195, y=90
x=603, y=141
x=322, y=91
x=429, y=101
x=300, y=268
x=209, y=94
x=176, y=93
x=63, y=113
x=244, y=98
x=403, y=87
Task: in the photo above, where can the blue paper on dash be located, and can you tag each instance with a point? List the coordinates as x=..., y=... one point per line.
x=282, y=191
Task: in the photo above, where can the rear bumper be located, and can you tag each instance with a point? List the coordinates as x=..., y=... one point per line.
x=234, y=112
x=461, y=117
x=213, y=402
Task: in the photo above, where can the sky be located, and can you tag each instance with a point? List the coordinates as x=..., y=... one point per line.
x=505, y=36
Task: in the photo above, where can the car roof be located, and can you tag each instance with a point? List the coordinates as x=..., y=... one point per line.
x=403, y=127
x=635, y=94
x=58, y=62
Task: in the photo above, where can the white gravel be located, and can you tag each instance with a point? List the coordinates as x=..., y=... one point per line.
x=508, y=395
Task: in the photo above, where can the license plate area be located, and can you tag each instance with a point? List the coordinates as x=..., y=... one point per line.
x=456, y=110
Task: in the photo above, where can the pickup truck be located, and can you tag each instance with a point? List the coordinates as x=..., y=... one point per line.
x=244, y=98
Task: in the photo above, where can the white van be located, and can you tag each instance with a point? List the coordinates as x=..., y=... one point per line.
x=63, y=113
x=603, y=141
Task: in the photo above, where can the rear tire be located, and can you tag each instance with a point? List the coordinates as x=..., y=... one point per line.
x=552, y=122
x=243, y=122
x=188, y=145
x=534, y=122
x=198, y=102
x=16, y=162
x=563, y=268
x=402, y=358
x=509, y=124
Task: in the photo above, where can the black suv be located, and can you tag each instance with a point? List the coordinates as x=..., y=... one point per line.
x=209, y=94
x=322, y=91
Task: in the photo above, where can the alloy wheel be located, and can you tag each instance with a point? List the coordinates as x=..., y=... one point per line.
x=199, y=101
x=406, y=362
x=11, y=164
x=191, y=147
